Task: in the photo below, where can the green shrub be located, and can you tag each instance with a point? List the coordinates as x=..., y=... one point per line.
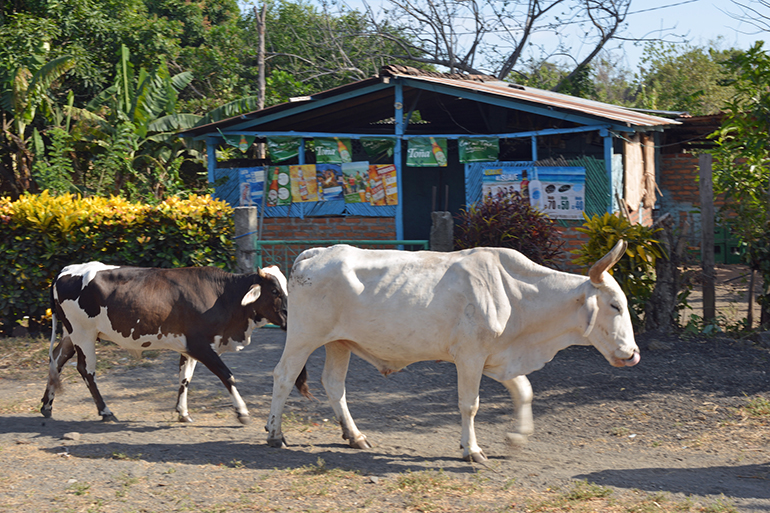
x=635, y=272
x=507, y=221
x=40, y=234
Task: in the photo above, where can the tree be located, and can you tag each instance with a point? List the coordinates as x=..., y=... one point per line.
x=683, y=78
x=742, y=159
x=502, y=38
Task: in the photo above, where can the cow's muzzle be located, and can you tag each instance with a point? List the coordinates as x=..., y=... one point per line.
x=627, y=362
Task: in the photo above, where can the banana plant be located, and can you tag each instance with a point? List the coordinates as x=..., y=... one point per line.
x=24, y=91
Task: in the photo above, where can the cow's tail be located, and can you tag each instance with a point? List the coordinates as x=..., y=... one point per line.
x=301, y=384
x=54, y=379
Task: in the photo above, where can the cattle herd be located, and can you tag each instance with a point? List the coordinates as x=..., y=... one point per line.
x=490, y=311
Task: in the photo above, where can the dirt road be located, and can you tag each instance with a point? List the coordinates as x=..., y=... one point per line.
x=677, y=423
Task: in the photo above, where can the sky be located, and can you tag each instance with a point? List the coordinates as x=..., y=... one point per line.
x=701, y=21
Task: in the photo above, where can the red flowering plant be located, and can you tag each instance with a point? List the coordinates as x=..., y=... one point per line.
x=507, y=220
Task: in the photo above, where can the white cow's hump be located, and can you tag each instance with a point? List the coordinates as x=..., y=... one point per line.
x=87, y=271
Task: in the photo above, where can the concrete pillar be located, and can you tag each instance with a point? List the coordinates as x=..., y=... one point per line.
x=246, y=223
x=442, y=231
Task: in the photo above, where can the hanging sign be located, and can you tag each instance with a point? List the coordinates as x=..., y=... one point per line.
x=427, y=152
x=377, y=148
x=478, y=149
x=240, y=141
x=329, y=178
x=303, y=183
x=279, y=192
x=282, y=148
x=354, y=175
x=251, y=181
x=332, y=150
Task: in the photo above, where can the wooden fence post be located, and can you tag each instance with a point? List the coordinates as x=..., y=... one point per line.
x=707, y=236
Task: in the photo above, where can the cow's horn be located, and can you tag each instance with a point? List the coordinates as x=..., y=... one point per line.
x=607, y=261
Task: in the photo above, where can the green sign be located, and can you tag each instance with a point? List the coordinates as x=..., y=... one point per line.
x=242, y=142
x=478, y=149
x=279, y=191
x=377, y=148
x=333, y=150
x=426, y=152
x=282, y=148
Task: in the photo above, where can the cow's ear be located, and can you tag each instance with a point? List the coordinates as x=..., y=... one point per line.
x=592, y=309
x=252, y=295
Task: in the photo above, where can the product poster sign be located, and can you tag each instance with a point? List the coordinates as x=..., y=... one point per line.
x=377, y=148
x=279, y=191
x=329, y=178
x=242, y=142
x=506, y=180
x=304, y=187
x=376, y=188
x=387, y=175
x=251, y=182
x=355, y=175
x=478, y=149
x=427, y=152
x=333, y=150
x=558, y=192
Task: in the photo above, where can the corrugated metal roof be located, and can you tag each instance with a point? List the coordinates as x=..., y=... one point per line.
x=549, y=98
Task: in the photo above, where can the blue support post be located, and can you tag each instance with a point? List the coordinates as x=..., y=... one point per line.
x=534, y=148
x=211, y=158
x=397, y=158
x=608, y=163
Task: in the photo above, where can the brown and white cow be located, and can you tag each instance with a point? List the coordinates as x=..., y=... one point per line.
x=199, y=312
x=491, y=311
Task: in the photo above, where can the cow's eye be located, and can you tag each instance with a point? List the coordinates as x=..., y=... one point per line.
x=616, y=308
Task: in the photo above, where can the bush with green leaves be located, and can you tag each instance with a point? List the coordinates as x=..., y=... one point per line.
x=635, y=272
x=508, y=221
x=41, y=234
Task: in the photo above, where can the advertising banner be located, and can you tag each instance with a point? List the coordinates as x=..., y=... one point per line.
x=279, y=192
x=558, y=192
x=304, y=186
x=332, y=150
x=242, y=142
x=354, y=176
x=387, y=174
x=282, y=148
x=478, y=149
x=329, y=178
x=376, y=188
x=251, y=181
x=427, y=152
x=378, y=148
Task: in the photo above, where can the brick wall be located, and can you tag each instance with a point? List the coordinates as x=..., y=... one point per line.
x=329, y=228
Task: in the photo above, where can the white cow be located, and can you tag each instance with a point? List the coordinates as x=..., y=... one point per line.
x=491, y=311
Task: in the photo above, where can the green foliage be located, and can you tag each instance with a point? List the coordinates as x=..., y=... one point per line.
x=54, y=172
x=635, y=272
x=683, y=78
x=39, y=235
x=507, y=221
x=742, y=158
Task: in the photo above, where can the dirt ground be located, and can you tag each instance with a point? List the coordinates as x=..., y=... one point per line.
x=676, y=425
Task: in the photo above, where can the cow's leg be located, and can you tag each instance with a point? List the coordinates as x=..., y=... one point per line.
x=87, y=370
x=63, y=351
x=284, y=376
x=208, y=357
x=468, y=381
x=186, y=369
x=521, y=393
x=333, y=379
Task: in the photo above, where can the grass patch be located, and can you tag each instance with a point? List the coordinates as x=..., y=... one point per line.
x=758, y=406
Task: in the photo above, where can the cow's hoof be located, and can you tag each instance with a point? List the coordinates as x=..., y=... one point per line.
x=185, y=418
x=109, y=418
x=278, y=443
x=516, y=440
x=46, y=412
x=244, y=419
x=476, y=457
x=360, y=443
